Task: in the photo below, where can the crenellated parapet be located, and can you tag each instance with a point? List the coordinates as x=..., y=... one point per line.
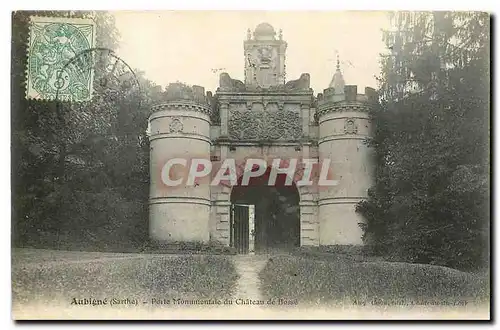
x=179, y=96
x=346, y=100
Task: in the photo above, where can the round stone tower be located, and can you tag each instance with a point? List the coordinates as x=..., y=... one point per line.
x=344, y=125
x=179, y=129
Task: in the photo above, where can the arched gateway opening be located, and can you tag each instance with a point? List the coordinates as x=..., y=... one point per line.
x=265, y=218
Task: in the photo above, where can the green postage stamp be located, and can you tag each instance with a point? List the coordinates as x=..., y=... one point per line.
x=53, y=44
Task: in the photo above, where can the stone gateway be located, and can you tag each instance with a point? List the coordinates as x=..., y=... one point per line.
x=264, y=117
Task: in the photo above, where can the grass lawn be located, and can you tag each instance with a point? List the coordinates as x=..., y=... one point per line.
x=133, y=276
x=341, y=281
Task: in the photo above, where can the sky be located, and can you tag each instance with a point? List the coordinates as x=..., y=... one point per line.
x=188, y=46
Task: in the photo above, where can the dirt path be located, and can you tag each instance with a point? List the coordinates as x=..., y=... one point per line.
x=248, y=268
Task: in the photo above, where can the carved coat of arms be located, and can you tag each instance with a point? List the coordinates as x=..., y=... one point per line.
x=176, y=126
x=350, y=126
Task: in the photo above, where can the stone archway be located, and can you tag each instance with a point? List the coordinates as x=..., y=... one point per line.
x=276, y=221
x=221, y=215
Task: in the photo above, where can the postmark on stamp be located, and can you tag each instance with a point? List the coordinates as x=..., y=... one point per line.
x=53, y=43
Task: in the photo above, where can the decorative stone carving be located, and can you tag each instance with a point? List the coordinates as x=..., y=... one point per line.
x=265, y=125
x=186, y=105
x=249, y=105
x=227, y=84
x=262, y=55
x=262, y=67
x=301, y=84
x=176, y=125
x=281, y=105
x=265, y=54
x=350, y=126
x=326, y=107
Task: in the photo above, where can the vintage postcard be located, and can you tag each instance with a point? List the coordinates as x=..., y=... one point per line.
x=176, y=165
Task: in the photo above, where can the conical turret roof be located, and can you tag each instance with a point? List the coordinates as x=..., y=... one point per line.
x=338, y=82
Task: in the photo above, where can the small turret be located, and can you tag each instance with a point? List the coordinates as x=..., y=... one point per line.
x=344, y=125
x=337, y=82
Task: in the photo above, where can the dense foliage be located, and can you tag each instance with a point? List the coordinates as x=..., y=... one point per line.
x=79, y=170
x=430, y=200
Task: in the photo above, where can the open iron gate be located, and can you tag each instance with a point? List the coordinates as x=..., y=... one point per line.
x=240, y=228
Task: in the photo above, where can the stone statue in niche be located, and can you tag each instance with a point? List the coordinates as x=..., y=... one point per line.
x=176, y=125
x=350, y=126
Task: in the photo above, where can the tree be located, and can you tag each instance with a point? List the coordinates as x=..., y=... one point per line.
x=430, y=200
x=80, y=170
